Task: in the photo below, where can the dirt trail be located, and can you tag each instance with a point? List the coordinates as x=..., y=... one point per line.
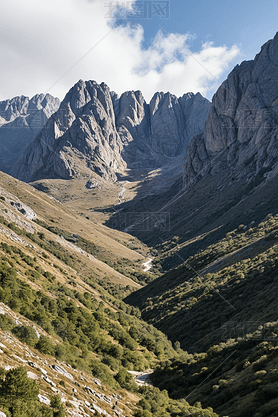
x=142, y=378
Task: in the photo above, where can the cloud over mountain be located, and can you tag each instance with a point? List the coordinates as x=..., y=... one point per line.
x=45, y=42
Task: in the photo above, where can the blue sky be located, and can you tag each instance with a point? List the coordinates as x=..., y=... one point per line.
x=247, y=24
x=49, y=46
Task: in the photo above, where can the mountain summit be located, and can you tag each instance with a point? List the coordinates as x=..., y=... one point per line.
x=21, y=119
x=240, y=133
x=97, y=130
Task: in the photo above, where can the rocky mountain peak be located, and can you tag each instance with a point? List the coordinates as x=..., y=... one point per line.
x=97, y=130
x=21, y=119
x=241, y=128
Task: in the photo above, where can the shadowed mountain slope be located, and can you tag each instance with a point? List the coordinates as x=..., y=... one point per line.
x=21, y=119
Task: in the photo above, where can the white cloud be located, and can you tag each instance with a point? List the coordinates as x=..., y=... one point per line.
x=41, y=40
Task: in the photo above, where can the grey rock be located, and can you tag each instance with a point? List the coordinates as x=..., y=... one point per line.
x=83, y=129
x=21, y=119
x=96, y=130
x=241, y=130
x=90, y=184
x=174, y=121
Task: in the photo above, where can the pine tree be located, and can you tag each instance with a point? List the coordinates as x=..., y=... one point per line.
x=18, y=387
x=57, y=406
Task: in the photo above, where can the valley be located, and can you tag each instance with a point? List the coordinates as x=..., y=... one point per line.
x=139, y=257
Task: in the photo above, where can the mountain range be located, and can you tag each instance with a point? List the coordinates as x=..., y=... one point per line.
x=96, y=130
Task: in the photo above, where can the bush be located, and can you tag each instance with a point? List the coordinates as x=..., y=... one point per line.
x=125, y=380
x=26, y=334
x=113, y=363
x=17, y=390
x=101, y=371
x=45, y=346
x=260, y=363
x=57, y=406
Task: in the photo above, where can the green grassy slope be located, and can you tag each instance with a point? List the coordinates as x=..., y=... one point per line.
x=58, y=285
x=220, y=306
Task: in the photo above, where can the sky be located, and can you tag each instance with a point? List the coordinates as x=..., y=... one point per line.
x=149, y=45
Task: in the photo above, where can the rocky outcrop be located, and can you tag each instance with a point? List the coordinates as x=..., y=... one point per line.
x=81, y=133
x=174, y=121
x=21, y=119
x=241, y=131
x=97, y=130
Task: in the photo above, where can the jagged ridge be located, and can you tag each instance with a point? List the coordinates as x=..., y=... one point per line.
x=96, y=129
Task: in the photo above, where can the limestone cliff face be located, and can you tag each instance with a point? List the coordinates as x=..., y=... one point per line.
x=174, y=121
x=96, y=129
x=83, y=129
x=241, y=130
x=21, y=119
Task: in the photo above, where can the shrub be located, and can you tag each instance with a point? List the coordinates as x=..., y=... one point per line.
x=260, y=363
x=45, y=346
x=17, y=388
x=125, y=379
x=26, y=334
